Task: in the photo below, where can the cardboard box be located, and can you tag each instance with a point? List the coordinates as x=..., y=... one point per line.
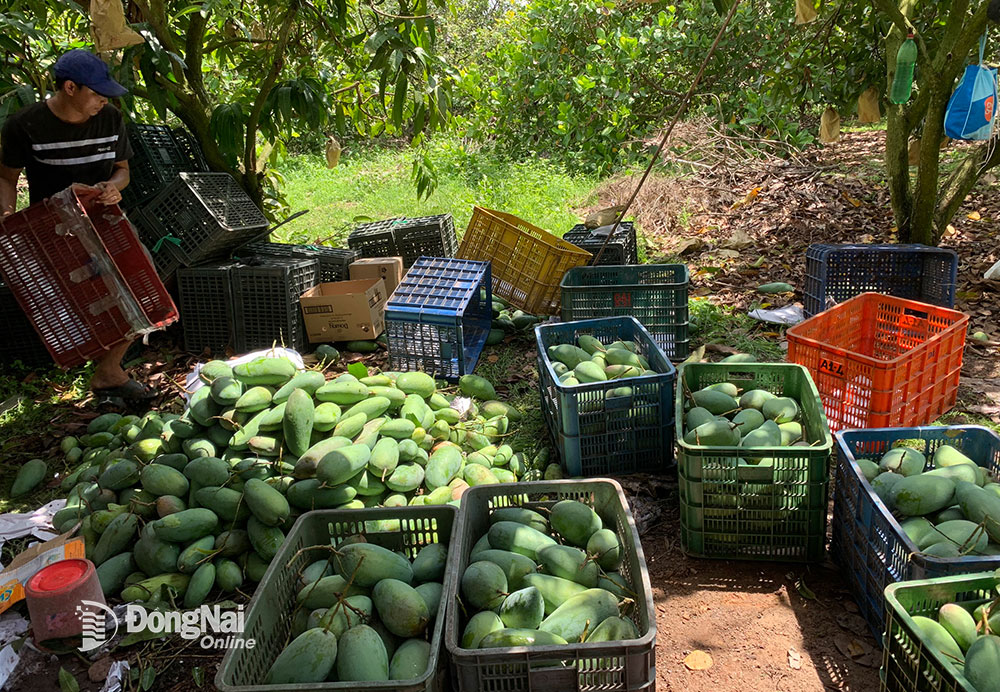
x=389, y=269
x=344, y=310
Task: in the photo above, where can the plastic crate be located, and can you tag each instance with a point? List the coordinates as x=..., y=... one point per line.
x=266, y=308
x=867, y=540
x=20, y=340
x=271, y=611
x=655, y=294
x=621, y=249
x=619, y=666
x=909, y=662
x=82, y=276
x=333, y=261
x=438, y=318
x=775, y=512
x=528, y=263
x=835, y=273
x=426, y=236
x=191, y=149
x=376, y=239
x=201, y=217
x=206, y=302
x=165, y=263
x=158, y=156
x=882, y=362
x=597, y=434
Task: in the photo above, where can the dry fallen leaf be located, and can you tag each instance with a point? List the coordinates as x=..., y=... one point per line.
x=851, y=200
x=698, y=660
x=973, y=216
x=492, y=358
x=794, y=659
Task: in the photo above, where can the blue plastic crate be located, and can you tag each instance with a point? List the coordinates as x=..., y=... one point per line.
x=867, y=539
x=835, y=273
x=655, y=294
x=439, y=316
x=597, y=434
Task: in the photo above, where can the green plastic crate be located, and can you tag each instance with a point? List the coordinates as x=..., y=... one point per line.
x=621, y=666
x=909, y=663
x=271, y=611
x=654, y=294
x=775, y=512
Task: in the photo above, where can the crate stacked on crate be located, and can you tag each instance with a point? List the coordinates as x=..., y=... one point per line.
x=655, y=294
x=527, y=262
x=771, y=506
x=159, y=155
x=206, y=302
x=275, y=607
x=835, y=273
x=266, y=309
x=426, y=236
x=20, y=340
x=913, y=661
x=82, y=276
x=375, y=238
x=333, y=261
x=881, y=361
x=621, y=249
x=868, y=541
x=439, y=316
x=613, y=426
x=199, y=218
x=627, y=665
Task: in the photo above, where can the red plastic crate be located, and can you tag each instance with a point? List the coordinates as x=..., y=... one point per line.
x=82, y=276
x=882, y=362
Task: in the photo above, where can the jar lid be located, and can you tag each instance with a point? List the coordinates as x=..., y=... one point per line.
x=59, y=576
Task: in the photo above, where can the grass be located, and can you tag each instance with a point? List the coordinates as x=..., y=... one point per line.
x=376, y=184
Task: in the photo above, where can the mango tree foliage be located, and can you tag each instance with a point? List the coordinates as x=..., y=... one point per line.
x=246, y=76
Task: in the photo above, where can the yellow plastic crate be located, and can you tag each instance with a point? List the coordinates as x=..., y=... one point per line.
x=528, y=263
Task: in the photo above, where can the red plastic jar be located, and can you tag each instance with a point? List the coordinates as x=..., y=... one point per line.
x=56, y=595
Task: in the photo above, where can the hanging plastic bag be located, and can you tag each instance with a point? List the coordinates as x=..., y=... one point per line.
x=805, y=11
x=332, y=152
x=109, y=28
x=829, y=126
x=971, y=109
x=868, y=110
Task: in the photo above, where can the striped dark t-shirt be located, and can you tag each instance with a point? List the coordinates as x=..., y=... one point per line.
x=55, y=154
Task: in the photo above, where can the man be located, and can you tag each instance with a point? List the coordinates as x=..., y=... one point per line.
x=74, y=138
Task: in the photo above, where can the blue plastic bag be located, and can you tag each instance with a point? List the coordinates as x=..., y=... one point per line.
x=972, y=108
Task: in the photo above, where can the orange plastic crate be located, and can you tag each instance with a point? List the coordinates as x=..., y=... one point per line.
x=882, y=362
x=527, y=263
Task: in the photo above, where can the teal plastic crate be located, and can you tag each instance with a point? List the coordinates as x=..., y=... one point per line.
x=909, y=662
x=655, y=294
x=755, y=512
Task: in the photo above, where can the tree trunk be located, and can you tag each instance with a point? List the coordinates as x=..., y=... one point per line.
x=922, y=227
x=896, y=147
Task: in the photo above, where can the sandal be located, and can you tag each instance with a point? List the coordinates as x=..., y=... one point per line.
x=132, y=391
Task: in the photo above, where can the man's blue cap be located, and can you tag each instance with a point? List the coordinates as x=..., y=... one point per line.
x=86, y=69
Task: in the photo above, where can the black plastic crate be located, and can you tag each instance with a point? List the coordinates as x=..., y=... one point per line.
x=157, y=157
x=164, y=261
x=622, y=248
x=333, y=261
x=266, y=308
x=20, y=341
x=427, y=236
x=206, y=305
x=192, y=150
x=376, y=239
x=202, y=217
x=835, y=273
x=439, y=316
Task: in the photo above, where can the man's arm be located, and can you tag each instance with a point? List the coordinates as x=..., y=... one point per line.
x=112, y=187
x=8, y=189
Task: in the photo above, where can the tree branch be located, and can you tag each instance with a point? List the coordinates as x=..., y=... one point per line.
x=963, y=179
x=212, y=47
x=902, y=23
x=193, y=54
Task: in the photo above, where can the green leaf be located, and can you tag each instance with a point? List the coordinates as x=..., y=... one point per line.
x=399, y=99
x=67, y=683
x=198, y=675
x=147, y=678
x=358, y=370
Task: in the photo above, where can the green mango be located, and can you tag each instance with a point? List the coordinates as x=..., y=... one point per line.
x=401, y=608
x=484, y=585
x=574, y=521
x=574, y=618
x=523, y=609
x=370, y=564
x=480, y=625
x=363, y=656
x=510, y=637
x=309, y=658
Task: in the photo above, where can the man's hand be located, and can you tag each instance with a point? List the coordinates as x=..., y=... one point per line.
x=109, y=194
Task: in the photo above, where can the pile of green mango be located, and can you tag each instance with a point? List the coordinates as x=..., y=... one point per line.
x=721, y=415
x=589, y=361
x=537, y=581
x=952, y=509
x=364, y=614
x=201, y=501
x=508, y=320
x=960, y=633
